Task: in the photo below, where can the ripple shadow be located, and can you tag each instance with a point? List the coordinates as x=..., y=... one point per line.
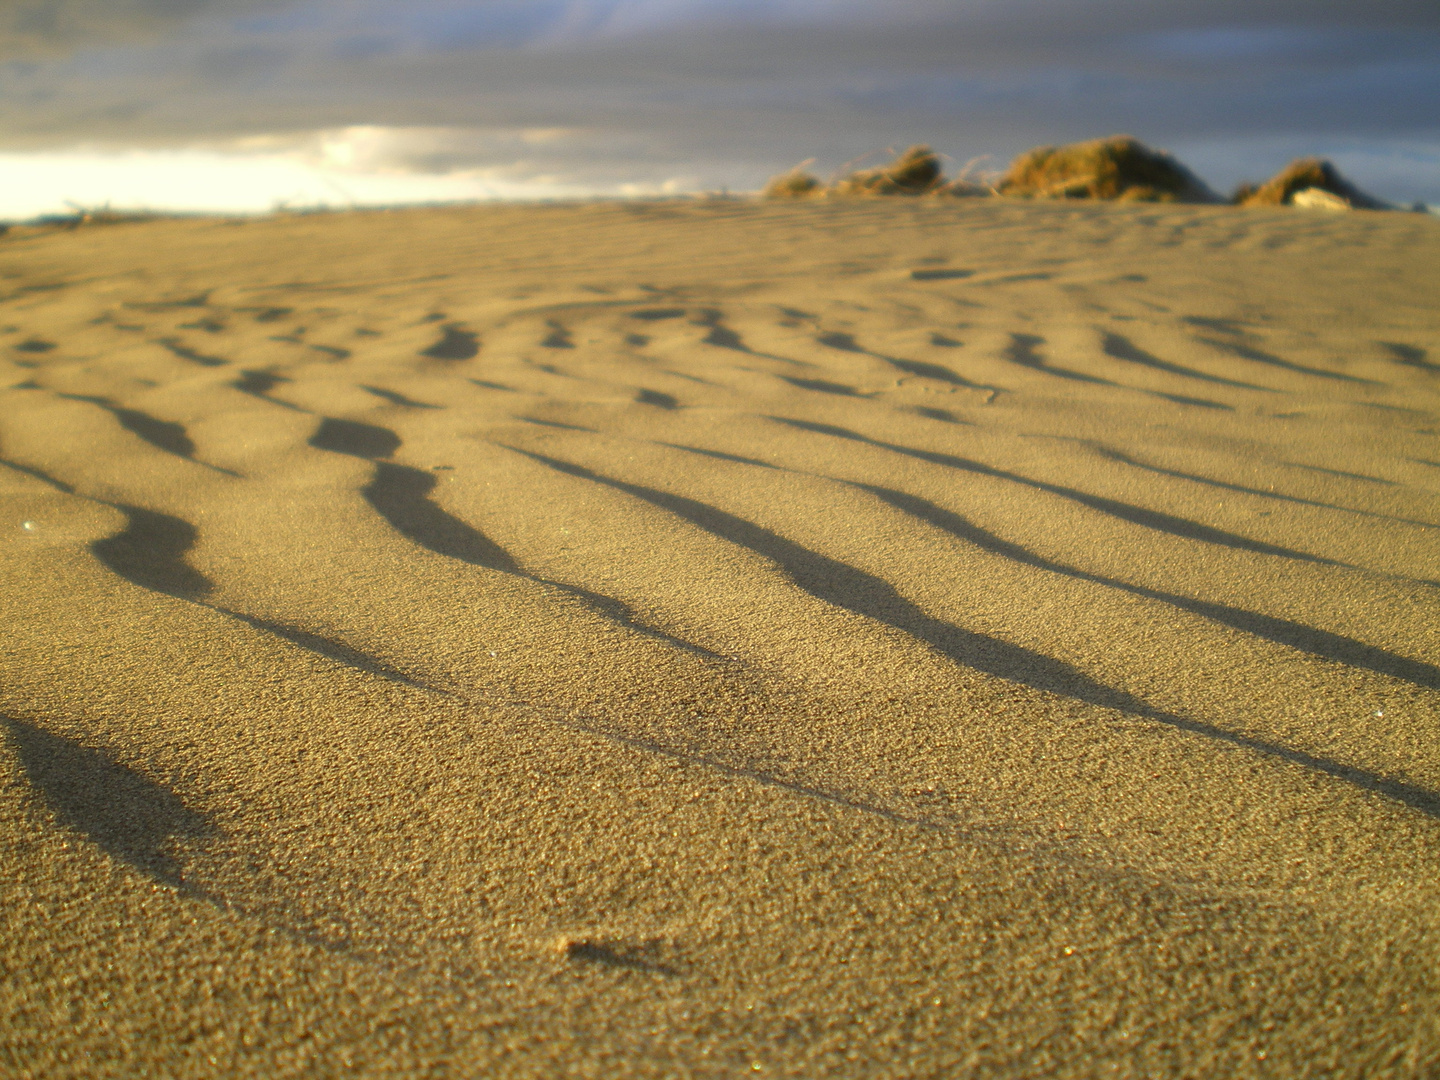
x=721, y=336
x=1412, y=355
x=396, y=398
x=871, y=597
x=1223, y=485
x=864, y=594
x=354, y=438
x=1136, y=515
x=166, y=435
x=455, y=344
x=184, y=352
x=1122, y=348
x=327, y=647
x=128, y=816
x=401, y=495
x=1298, y=636
x=258, y=384
x=1259, y=356
x=1022, y=351
x=150, y=552
x=919, y=368
x=38, y=474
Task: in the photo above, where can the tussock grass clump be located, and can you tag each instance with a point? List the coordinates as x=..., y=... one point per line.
x=915, y=172
x=1120, y=167
x=795, y=184
x=1298, y=183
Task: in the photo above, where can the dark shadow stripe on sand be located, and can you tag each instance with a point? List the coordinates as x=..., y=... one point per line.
x=456, y=343
x=326, y=647
x=1116, y=455
x=401, y=495
x=258, y=384
x=854, y=590
x=1307, y=639
x=864, y=594
x=396, y=398
x=186, y=353
x=723, y=337
x=720, y=455
x=919, y=368
x=1021, y=351
x=133, y=819
x=1136, y=515
x=1245, y=352
x=37, y=474
x=1122, y=348
x=130, y=817
x=164, y=435
x=150, y=551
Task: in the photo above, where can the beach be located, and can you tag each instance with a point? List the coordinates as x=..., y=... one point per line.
x=707, y=637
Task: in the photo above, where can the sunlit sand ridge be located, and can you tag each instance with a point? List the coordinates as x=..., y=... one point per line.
x=705, y=638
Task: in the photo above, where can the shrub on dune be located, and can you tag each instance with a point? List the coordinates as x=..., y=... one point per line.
x=795, y=184
x=1308, y=182
x=915, y=172
x=1116, y=168
x=1119, y=167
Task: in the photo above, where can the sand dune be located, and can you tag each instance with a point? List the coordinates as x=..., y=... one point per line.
x=716, y=638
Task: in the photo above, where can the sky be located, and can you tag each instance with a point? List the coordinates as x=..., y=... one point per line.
x=249, y=105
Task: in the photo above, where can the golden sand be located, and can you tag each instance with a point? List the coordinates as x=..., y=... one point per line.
x=716, y=639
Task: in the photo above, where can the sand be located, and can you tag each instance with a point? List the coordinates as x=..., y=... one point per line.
x=709, y=638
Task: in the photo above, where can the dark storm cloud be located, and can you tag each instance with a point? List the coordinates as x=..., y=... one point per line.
x=695, y=81
x=1018, y=28
x=40, y=28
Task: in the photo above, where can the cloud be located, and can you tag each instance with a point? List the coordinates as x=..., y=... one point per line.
x=725, y=90
x=1015, y=26
x=42, y=28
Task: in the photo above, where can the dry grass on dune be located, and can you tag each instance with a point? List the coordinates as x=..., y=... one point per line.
x=1119, y=168
x=1302, y=176
x=1116, y=168
x=795, y=184
x=916, y=171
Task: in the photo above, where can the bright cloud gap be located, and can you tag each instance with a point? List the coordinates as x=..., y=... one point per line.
x=341, y=168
